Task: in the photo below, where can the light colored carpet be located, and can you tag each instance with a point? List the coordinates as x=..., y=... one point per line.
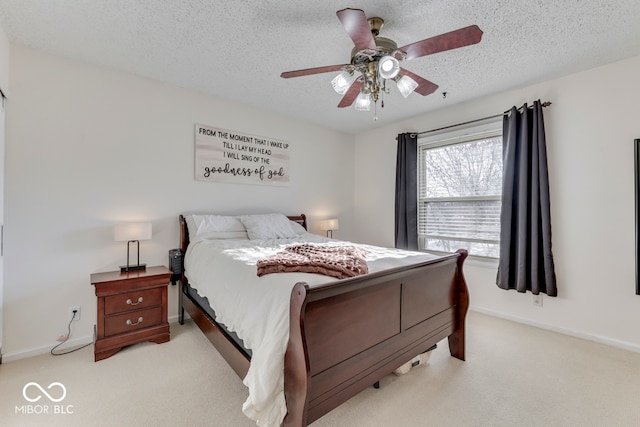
x=515, y=375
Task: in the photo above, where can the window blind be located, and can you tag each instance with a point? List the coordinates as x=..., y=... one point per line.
x=460, y=185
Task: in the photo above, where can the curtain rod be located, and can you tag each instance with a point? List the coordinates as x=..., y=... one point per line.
x=495, y=116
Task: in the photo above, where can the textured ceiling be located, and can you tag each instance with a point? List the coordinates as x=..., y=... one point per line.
x=237, y=50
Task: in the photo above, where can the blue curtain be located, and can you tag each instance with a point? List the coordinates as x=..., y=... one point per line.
x=526, y=261
x=406, y=233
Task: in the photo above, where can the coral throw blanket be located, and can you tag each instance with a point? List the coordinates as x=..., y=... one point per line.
x=339, y=261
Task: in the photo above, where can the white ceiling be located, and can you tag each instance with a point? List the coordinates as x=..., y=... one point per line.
x=236, y=50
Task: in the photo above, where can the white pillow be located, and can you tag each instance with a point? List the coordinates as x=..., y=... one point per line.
x=215, y=227
x=242, y=235
x=298, y=228
x=268, y=226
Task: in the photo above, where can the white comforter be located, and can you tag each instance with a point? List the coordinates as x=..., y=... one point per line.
x=257, y=308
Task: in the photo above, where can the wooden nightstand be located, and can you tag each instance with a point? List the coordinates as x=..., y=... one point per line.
x=132, y=308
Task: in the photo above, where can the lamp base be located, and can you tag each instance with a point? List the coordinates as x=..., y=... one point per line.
x=136, y=267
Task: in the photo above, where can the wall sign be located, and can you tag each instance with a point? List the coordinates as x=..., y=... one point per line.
x=224, y=155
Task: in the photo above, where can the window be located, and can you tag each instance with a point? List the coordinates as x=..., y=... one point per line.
x=459, y=192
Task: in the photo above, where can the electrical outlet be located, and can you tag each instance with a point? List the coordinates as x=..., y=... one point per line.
x=77, y=316
x=537, y=300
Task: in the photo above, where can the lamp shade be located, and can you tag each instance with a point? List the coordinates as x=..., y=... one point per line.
x=330, y=224
x=363, y=102
x=406, y=85
x=132, y=231
x=389, y=67
x=342, y=82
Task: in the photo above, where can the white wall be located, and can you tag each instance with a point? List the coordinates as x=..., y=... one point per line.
x=4, y=87
x=4, y=62
x=590, y=130
x=88, y=147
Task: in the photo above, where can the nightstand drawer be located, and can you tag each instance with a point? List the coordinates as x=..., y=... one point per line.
x=132, y=301
x=132, y=321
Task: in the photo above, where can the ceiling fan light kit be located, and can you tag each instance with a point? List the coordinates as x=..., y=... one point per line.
x=342, y=82
x=376, y=60
x=363, y=101
x=406, y=85
x=388, y=67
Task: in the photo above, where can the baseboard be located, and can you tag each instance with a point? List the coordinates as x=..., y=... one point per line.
x=74, y=342
x=590, y=337
x=37, y=351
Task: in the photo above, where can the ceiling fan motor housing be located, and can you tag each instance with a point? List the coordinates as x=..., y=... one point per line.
x=384, y=47
x=366, y=62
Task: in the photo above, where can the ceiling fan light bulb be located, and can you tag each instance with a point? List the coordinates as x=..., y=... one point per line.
x=363, y=102
x=406, y=85
x=342, y=82
x=388, y=67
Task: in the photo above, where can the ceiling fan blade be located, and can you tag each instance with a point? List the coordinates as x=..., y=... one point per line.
x=452, y=40
x=357, y=26
x=310, y=71
x=425, y=87
x=351, y=94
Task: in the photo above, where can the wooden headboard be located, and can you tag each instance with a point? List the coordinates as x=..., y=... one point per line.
x=300, y=219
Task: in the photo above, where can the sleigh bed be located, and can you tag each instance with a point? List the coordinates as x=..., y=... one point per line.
x=344, y=335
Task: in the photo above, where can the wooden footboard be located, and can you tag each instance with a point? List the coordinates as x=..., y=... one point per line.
x=344, y=338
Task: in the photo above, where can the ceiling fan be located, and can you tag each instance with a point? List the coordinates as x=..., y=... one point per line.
x=375, y=60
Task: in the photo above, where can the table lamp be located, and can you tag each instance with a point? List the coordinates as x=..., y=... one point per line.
x=132, y=232
x=329, y=225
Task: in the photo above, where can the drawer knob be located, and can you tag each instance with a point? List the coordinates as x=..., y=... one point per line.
x=135, y=303
x=130, y=323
